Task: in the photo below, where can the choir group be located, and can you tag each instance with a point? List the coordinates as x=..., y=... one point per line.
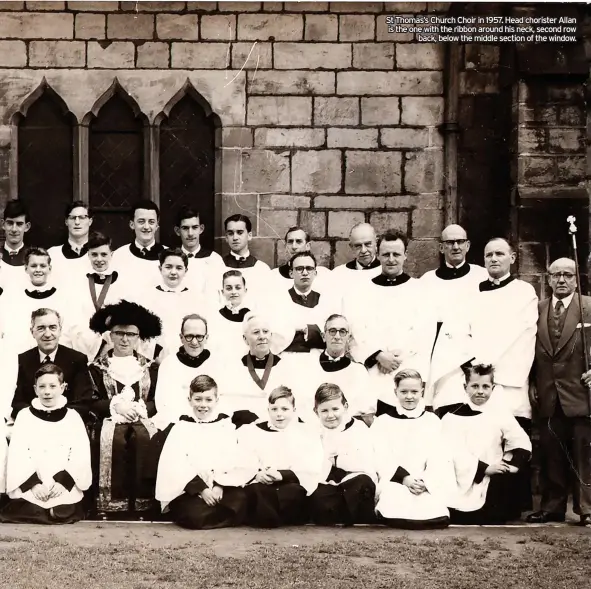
x=223, y=393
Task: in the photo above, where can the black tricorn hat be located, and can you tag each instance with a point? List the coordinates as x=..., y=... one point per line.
x=126, y=313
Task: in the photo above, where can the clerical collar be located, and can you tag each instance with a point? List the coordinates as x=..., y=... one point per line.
x=149, y=252
x=240, y=258
x=72, y=251
x=235, y=315
x=355, y=265
x=52, y=414
x=330, y=364
x=163, y=288
x=262, y=363
x=36, y=293
x=233, y=260
x=101, y=277
x=191, y=254
x=192, y=361
x=145, y=247
x=214, y=418
x=397, y=412
x=14, y=252
x=383, y=280
x=496, y=283
x=448, y=272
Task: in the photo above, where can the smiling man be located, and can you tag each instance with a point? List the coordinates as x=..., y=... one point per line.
x=16, y=224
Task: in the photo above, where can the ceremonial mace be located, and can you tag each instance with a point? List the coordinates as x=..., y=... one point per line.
x=572, y=229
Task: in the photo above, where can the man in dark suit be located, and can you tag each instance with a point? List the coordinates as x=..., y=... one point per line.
x=562, y=397
x=46, y=325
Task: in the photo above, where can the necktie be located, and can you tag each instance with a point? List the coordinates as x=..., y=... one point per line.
x=558, y=317
x=190, y=255
x=47, y=360
x=13, y=253
x=145, y=251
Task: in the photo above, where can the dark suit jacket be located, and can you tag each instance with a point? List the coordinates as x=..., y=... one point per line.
x=558, y=372
x=76, y=376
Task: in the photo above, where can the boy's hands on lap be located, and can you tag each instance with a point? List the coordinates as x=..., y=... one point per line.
x=40, y=492
x=415, y=486
x=209, y=497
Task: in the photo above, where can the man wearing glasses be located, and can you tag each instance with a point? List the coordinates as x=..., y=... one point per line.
x=561, y=396
x=70, y=259
x=451, y=288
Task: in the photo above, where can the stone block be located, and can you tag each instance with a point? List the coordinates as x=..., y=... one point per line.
x=231, y=170
x=532, y=139
x=272, y=6
x=536, y=170
x=420, y=56
x=277, y=137
x=390, y=83
x=321, y=251
x=150, y=6
x=245, y=204
x=352, y=138
x=88, y=6
x=373, y=172
x=200, y=55
x=250, y=56
x=404, y=138
x=219, y=27
x=314, y=222
x=380, y=111
x=239, y=6
x=57, y=54
x=427, y=223
x=539, y=115
x=405, y=7
x=571, y=115
x=355, y=6
x=383, y=222
x=481, y=56
x=422, y=111
x=479, y=83
x=44, y=5
x=119, y=55
x=279, y=110
x=421, y=255
x=438, y=6
x=10, y=5
x=276, y=223
x=321, y=27
x=305, y=6
x=236, y=137
x=270, y=27
x=349, y=202
x=284, y=201
x=90, y=26
x=202, y=6
x=130, y=26
x=342, y=253
x=178, y=26
x=153, y=55
x=336, y=111
x=565, y=140
x=262, y=248
x=291, y=82
x=374, y=56
x=340, y=222
x=312, y=56
x=531, y=258
x=571, y=169
x=316, y=171
x=36, y=25
x=265, y=171
x=354, y=27
x=383, y=33
x=13, y=54
x=423, y=171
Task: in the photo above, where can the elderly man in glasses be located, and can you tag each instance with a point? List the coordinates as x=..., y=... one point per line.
x=561, y=394
x=451, y=288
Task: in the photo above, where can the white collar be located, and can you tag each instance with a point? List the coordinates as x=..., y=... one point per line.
x=360, y=267
x=238, y=256
x=142, y=247
x=42, y=288
x=499, y=280
x=234, y=310
x=51, y=356
x=61, y=402
x=331, y=359
x=301, y=293
x=413, y=413
x=178, y=289
x=75, y=247
x=197, y=250
x=15, y=251
x=455, y=267
x=566, y=301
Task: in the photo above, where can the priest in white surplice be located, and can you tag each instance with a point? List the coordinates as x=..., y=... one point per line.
x=451, y=288
x=393, y=326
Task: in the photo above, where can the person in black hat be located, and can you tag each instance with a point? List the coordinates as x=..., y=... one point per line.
x=124, y=383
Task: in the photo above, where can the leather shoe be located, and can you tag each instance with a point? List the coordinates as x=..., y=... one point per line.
x=586, y=520
x=543, y=517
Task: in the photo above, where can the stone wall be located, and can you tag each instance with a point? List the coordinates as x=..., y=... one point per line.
x=328, y=119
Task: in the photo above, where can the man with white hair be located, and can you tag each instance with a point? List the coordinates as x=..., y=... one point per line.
x=365, y=264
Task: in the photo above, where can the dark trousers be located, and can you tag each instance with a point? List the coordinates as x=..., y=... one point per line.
x=271, y=506
x=565, y=444
x=523, y=478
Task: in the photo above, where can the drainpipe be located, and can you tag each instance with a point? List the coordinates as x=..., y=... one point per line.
x=450, y=129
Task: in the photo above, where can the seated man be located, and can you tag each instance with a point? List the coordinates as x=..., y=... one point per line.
x=16, y=223
x=48, y=467
x=201, y=473
x=46, y=325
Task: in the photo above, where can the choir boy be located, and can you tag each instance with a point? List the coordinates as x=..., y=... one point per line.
x=488, y=448
x=16, y=223
x=48, y=467
x=201, y=472
x=288, y=461
x=70, y=259
x=346, y=493
x=414, y=468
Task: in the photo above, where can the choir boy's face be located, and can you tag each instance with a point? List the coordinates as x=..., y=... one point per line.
x=78, y=222
x=258, y=337
x=363, y=244
x=47, y=331
x=100, y=258
x=233, y=290
x=15, y=229
x=479, y=388
x=38, y=269
x=49, y=389
x=173, y=271
x=295, y=243
x=193, y=331
x=281, y=413
x=203, y=403
x=409, y=392
x=331, y=413
x=145, y=225
x=189, y=231
x=237, y=236
x=125, y=338
x=392, y=255
x=336, y=336
x=303, y=273
x=498, y=258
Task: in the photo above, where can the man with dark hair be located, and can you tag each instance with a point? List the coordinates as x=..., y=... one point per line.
x=16, y=223
x=391, y=321
x=70, y=258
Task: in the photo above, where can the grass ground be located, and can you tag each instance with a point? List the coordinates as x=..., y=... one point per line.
x=142, y=556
